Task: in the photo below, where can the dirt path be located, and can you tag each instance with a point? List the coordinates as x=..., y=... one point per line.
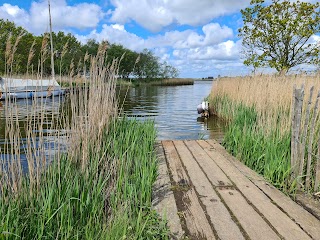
x=217, y=197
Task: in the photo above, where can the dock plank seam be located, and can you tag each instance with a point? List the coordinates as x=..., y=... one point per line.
x=198, y=196
x=248, y=201
x=177, y=197
x=233, y=217
x=163, y=200
x=261, y=190
x=214, y=221
x=256, y=179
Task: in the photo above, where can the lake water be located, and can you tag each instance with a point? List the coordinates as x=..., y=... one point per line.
x=174, y=110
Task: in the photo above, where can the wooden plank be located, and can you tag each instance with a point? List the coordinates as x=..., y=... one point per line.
x=195, y=219
x=219, y=216
x=249, y=219
x=287, y=228
x=213, y=172
x=163, y=199
x=303, y=218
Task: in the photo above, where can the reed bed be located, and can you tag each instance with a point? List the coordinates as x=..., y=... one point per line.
x=97, y=186
x=259, y=114
x=174, y=82
x=163, y=82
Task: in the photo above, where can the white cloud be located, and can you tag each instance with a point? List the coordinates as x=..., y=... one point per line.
x=187, y=50
x=192, y=51
x=156, y=14
x=115, y=33
x=14, y=13
x=81, y=16
x=228, y=50
x=118, y=26
x=212, y=34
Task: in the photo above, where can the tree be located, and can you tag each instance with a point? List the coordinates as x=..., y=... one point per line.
x=10, y=32
x=168, y=71
x=279, y=35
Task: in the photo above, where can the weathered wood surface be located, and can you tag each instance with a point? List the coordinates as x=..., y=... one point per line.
x=163, y=200
x=219, y=198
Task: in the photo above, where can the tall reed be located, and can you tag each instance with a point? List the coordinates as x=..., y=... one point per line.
x=258, y=109
x=98, y=182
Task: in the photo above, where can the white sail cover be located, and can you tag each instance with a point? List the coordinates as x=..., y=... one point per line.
x=13, y=84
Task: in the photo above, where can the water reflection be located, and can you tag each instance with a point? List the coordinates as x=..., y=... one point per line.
x=31, y=123
x=173, y=109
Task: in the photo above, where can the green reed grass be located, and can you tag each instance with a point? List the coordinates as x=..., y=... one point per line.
x=114, y=204
x=101, y=188
x=267, y=154
x=258, y=112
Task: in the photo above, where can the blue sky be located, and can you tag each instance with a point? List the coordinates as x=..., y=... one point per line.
x=199, y=37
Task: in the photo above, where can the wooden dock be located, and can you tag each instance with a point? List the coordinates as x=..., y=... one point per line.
x=211, y=195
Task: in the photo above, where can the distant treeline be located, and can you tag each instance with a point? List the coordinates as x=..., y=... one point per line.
x=24, y=53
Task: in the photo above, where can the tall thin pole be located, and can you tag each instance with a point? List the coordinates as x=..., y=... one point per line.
x=51, y=42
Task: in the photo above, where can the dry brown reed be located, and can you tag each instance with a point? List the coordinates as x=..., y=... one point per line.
x=30, y=56
x=44, y=54
x=71, y=69
x=91, y=111
x=10, y=51
x=269, y=95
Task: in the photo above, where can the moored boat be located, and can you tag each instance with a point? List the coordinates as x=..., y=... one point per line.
x=28, y=88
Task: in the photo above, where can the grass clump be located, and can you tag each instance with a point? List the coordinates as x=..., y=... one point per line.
x=258, y=112
x=97, y=204
x=97, y=186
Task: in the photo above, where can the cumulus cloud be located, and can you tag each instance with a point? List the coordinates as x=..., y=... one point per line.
x=81, y=16
x=228, y=50
x=115, y=33
x=187, y=50
x=14, y=13
x=204, y=49
x=154, y=15
x=212, y=34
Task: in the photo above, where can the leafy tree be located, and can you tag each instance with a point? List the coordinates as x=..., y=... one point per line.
x=278, y=35
x=148, y=66
x=127, y=57
x=10, y=32
x=31, y=55
x=67, y=49
x=168, y=71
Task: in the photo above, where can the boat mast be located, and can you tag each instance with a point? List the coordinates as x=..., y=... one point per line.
x=51, y=42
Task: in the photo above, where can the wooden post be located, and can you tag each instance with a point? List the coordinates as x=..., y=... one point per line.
x=299, y=95
x=311, y=136
x=304, y=137
x=293, y=132
x=317, y=170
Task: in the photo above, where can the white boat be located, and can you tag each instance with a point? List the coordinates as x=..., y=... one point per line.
x=28, y=88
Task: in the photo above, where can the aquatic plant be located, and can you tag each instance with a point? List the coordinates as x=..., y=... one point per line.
x=258, y=110
x=98, y=182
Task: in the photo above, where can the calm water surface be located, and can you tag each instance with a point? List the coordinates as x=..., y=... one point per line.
x=174, y=110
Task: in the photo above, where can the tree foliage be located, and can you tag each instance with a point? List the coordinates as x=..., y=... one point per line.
x=31, y=55
x=279, y=35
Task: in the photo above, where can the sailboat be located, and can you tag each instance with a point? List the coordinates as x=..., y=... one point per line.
x=29, y=88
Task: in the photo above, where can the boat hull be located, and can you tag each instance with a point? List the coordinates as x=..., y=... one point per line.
x=32, y=94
